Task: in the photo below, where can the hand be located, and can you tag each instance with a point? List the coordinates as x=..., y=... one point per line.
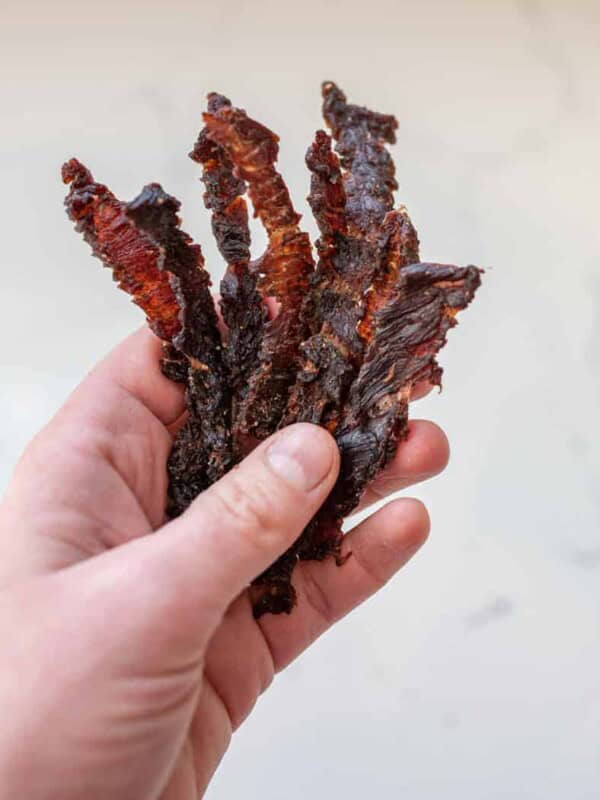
x=128, y=659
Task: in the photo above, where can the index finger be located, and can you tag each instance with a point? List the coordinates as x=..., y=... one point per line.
x=134, y=366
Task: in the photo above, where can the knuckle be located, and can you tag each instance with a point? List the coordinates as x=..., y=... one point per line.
x=317, y=597
x=376, y=567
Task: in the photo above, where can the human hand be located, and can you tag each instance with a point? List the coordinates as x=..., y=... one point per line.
x=129, y=659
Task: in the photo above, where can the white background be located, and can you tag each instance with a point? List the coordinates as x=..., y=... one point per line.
x=476, y=673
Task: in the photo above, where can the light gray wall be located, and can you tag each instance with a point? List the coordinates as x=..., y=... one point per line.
x=476, y=673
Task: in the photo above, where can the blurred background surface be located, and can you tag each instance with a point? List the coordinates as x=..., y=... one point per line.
x=476, y=672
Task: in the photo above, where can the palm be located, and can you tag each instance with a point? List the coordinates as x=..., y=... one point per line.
x=108, y=485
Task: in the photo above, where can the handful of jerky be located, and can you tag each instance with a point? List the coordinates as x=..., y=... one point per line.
x=353, y=333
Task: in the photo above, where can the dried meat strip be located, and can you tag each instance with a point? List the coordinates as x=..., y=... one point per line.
x=155, y=213
x=331, y=309
x=242, y=305
x=284, y=268
x=350, y=208
x=208, y=428
x=409, y=331
x=361, y=135
x=131, y=254
x=156, y=262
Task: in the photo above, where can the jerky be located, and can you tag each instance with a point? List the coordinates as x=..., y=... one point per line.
x=331, y=307
x=351, y=339
x=174, y=365
x=208, y=426
x=349, y=208
x=242, y=305
x=409, y=331
x=131, y=254
x=361, y=135
x=284, y=268
x=156, y=262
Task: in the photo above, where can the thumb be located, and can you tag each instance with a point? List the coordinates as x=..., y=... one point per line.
x=186, y=574
x=241, y=524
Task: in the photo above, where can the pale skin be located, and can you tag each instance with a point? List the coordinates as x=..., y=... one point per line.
x=129, y=650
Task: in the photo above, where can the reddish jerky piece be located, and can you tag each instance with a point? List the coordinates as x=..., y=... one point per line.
x=157, y=263
x=131, y=255
x=201, y=453
x=401, y=249
x=284, y=267
x=242, y=306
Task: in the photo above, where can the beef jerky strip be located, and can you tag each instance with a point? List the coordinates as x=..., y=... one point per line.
x=408, y=332
x=328, y=356
x=131, y=254
x=156, y=263
x=208, y=426
x=401, y=250
x=349, y=210
x=284, y=267
x=360, y=134
x=241, y=303
x=362, y=246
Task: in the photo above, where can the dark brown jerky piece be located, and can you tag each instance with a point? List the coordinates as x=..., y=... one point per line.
x=350, y=210
x=242, y=306
x=155, y=213
x=331, y=308
x=409, y=331
x=173, y=364
x=362, y=245
x=361, y=135
x=284, y=268
x=208, y=426
x=272, y=592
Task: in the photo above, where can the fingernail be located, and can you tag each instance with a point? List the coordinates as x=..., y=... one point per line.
x=302, y=456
